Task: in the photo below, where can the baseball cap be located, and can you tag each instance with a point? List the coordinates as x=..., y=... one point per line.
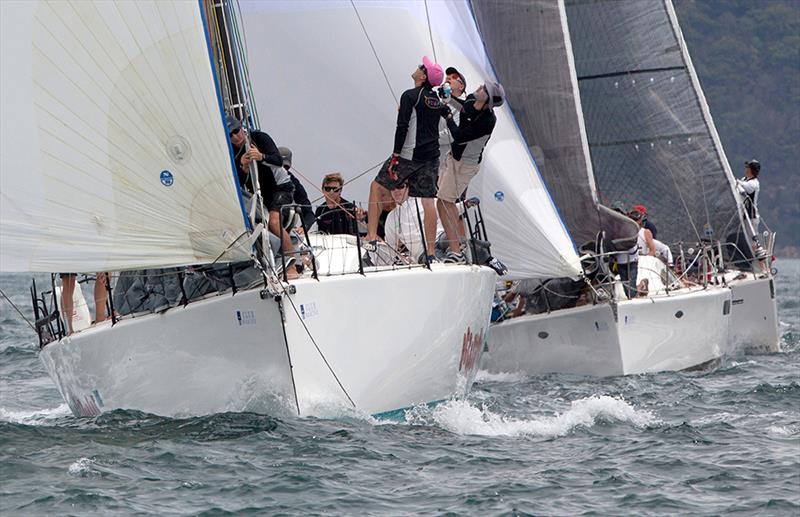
x=497, y=95
x=452, y=70
x=754, y=165
x=640, y=208
x=434, y=70
x=286, y=154
x=635, y=215
x=233, y=123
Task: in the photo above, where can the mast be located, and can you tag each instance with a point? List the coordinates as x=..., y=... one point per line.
x=228, y=50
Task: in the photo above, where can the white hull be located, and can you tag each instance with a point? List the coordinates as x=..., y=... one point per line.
x=646, y=337
x=754, y=316
x=393, y=339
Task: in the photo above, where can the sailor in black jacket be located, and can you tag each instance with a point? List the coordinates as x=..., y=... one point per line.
x=415, y=156
x=475, y=125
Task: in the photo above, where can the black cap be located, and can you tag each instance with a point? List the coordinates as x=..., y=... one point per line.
x=452, y=70
x=233, y=123
x=754, y=165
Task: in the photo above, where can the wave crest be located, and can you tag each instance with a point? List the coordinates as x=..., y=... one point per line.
x=461, y=417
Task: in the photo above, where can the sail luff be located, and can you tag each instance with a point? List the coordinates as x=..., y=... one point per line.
x=720, y=150
x=573, y=76
x=114, y=153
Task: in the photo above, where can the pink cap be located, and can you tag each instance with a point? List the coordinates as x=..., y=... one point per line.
x=435, y=72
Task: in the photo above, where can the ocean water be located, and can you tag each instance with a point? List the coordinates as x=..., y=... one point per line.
x=712, y=442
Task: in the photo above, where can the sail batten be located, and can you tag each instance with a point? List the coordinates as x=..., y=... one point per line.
x=114, y=151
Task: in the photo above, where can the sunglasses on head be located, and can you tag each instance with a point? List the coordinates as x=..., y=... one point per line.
x=331, y=188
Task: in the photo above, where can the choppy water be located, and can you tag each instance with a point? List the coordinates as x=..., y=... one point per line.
x=709, y=442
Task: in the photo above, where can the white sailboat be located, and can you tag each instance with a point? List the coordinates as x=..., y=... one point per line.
x=673, y=327
x=754, y=312
x=115, y=158
x=663, y=150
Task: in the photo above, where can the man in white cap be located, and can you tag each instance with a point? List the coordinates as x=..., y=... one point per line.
x=415, y=156
x=475, y=125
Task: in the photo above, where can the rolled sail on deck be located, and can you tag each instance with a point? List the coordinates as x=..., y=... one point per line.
x=114, y=153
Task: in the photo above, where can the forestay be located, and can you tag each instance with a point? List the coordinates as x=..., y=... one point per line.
x=650, y=133
x=114, y=152
x=327, y=76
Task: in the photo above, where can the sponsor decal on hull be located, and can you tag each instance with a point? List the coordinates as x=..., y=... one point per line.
x=470, y=350
x=86, y=405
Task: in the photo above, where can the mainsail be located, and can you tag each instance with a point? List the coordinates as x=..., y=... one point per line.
x=114, y=153
x=650, y=133
x=327, y=76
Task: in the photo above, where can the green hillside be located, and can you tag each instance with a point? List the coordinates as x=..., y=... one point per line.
x=747, y=54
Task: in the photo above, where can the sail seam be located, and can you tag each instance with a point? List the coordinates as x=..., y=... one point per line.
x=628, y=72
x=647, y=139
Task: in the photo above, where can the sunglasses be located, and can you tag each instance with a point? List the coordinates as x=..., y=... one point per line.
x=424, y=70
x=235, y=131
x=332, y=189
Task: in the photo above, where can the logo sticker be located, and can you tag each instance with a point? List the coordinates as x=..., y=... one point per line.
x=308, y=310
x=433, y=103
x=166, y=178
x=499, y=196
x=246, y=318
x=470, y=350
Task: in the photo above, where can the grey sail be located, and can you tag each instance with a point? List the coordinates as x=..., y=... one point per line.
x=651, y=137
x=531, y=52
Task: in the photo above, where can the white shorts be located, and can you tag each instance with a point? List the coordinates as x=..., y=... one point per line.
x=454, y=178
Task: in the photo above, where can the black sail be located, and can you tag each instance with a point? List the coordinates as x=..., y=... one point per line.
x=650, y=133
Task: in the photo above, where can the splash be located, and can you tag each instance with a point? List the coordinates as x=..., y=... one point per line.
x=82, y=468
x=461, y=417
x=784, y=431
x=485, y=376
x=36, y=416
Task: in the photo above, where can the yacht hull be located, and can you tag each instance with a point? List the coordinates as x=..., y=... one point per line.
x=662, y=333
x=754, y=316
x=371, y=344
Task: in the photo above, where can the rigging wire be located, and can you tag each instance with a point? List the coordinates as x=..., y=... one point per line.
x=18, y=310
x=375, y=53
x=430, y=32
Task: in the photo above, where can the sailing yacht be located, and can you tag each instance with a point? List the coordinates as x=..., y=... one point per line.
x=663, y=150
x=674, y=326
x=116, y=157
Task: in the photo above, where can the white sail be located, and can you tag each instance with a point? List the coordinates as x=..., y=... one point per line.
x=324, y=92
x=114, y=153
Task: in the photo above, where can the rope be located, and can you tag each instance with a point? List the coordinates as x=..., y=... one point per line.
x=375, y=53
x=324, y=359
x=17, y=309
x=430, y=32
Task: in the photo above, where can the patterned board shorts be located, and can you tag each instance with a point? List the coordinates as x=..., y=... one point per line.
x=422, y=177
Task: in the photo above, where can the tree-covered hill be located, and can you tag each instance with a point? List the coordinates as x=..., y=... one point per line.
x=747, y=54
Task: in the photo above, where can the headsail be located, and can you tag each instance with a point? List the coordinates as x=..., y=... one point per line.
x=532, y=54
x=114, y=153
x=327, y=76
x=651, y=136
